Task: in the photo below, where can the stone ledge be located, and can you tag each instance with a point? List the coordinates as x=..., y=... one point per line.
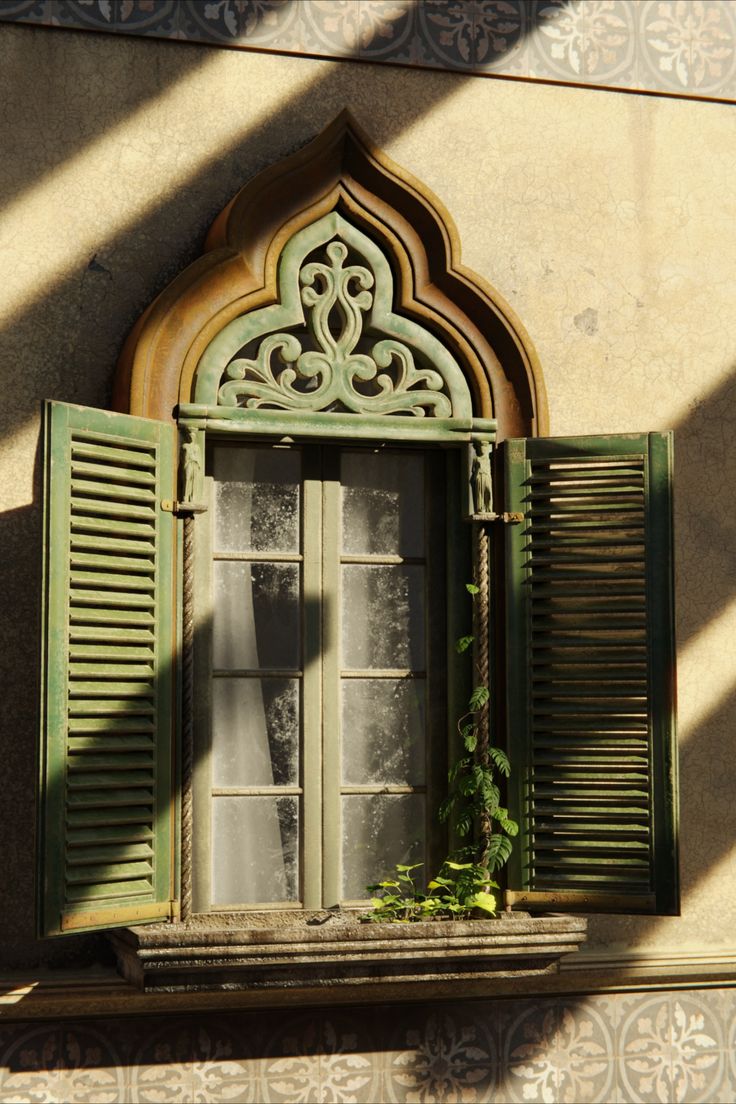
x=332, y=953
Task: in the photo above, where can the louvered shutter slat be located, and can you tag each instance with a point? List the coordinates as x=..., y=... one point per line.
x=590, y=656
x=108, y=800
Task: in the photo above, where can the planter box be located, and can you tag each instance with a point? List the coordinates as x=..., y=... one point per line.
x=326, y=957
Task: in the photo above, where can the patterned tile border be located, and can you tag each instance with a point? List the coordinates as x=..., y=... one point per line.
x=673, y=47
x=667, y=1047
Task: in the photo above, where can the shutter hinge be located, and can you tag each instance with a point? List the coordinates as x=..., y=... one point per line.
x=507, y=519
x=169, y=506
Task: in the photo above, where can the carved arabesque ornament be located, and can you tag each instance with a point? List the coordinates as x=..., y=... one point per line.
x=183, y=349
x=336, y=292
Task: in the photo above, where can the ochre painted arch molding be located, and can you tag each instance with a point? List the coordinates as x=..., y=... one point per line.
x=339, y=170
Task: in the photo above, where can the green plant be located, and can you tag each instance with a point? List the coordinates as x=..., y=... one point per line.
x=475, y=796
x=454, y=894
x=474, y=802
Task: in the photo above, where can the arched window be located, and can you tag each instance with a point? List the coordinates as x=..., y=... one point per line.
x=256, y=573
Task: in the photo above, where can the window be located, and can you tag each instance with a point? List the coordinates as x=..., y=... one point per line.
x=328, y=721
x=339, y=399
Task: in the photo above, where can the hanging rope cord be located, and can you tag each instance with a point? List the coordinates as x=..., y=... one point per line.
x=481, y=625
x=187, y=750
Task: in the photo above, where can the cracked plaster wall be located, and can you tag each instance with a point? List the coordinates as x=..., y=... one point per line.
x=606, y=220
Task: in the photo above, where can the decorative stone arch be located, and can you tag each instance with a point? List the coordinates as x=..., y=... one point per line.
x=340, y=184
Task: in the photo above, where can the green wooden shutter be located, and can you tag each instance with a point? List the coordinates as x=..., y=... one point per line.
x=107, y=806
x=590, y=658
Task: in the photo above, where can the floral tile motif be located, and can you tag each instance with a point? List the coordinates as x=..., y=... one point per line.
x=559, y=1052
x=379, y=30
x=448, y=1056
x=687, y=45
x=670, y=1051
x=586, y=41
x=446, y=34
x=36, y=11
x=96, y=15
x=48, y=1065
x=193, y=1063
x=150, y=17
x=263, y=23
x=500, y=36
x=320, y=1059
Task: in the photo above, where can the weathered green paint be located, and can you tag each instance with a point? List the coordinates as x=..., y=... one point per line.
x=436, y=387
x=298, y=424
x=106, y=789
x=590, y=682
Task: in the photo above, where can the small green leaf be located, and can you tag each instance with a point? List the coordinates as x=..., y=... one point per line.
x=499, y=849
x=463, y=644
x=472, y=588
x=456, y=768
x=479, y=698
x=471, y=740
x=401, y=867
x=500, y=758
x=483, y=900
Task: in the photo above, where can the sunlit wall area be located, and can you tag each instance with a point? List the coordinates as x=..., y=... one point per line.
x=608, y=221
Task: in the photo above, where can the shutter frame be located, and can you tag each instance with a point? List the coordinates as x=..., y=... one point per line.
x=524, y=561
x=107, y=743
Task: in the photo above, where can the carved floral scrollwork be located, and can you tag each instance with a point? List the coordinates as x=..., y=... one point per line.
x=335, y=297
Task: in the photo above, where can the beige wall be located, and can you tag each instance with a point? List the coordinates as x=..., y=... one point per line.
x=605, y=219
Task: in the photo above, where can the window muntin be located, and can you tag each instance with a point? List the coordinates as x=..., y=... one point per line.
x=323, y=717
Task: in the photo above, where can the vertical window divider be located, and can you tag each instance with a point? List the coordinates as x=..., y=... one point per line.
x=331, y=744
x=312, y=679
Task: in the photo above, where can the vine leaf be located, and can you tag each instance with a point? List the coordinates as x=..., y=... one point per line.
x=479, y=698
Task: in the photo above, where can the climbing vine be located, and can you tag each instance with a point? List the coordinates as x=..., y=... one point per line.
x=464, y=882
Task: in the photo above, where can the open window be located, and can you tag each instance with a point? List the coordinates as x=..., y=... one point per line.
x=325, y=654
x=251, y=690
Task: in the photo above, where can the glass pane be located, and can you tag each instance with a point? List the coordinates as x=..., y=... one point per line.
x=382, y=503
x=257, y=494
x=256, y=616
x=383, y=724
x=255, y=732
x=383, y=617
x=378, y=831
x=255, y=848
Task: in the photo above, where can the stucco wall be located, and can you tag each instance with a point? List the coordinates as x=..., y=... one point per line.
x=606, y=220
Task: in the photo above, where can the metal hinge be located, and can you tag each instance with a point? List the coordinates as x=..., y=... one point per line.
x=507, y=519
x=169, y=506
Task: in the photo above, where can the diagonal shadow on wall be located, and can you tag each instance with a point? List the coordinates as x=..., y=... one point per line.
x=80, y=321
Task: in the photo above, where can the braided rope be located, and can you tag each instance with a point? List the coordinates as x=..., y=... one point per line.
x=481, y=630
x=187, y=740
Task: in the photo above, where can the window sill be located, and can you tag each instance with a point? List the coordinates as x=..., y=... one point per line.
x=325, y=957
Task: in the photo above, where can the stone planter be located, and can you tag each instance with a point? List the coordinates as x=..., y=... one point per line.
x=333, y=957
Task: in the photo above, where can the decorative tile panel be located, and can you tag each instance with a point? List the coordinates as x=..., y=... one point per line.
x=443, y=1056
x=586, y=41
x=664, y=1047
x=559, y=1052
x=676, y=47
x=687, y=45
x=671, y=1050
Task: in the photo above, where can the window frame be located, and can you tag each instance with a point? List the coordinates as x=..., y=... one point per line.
x=454, y=567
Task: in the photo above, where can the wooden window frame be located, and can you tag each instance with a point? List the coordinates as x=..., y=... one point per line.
x=449, y=570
